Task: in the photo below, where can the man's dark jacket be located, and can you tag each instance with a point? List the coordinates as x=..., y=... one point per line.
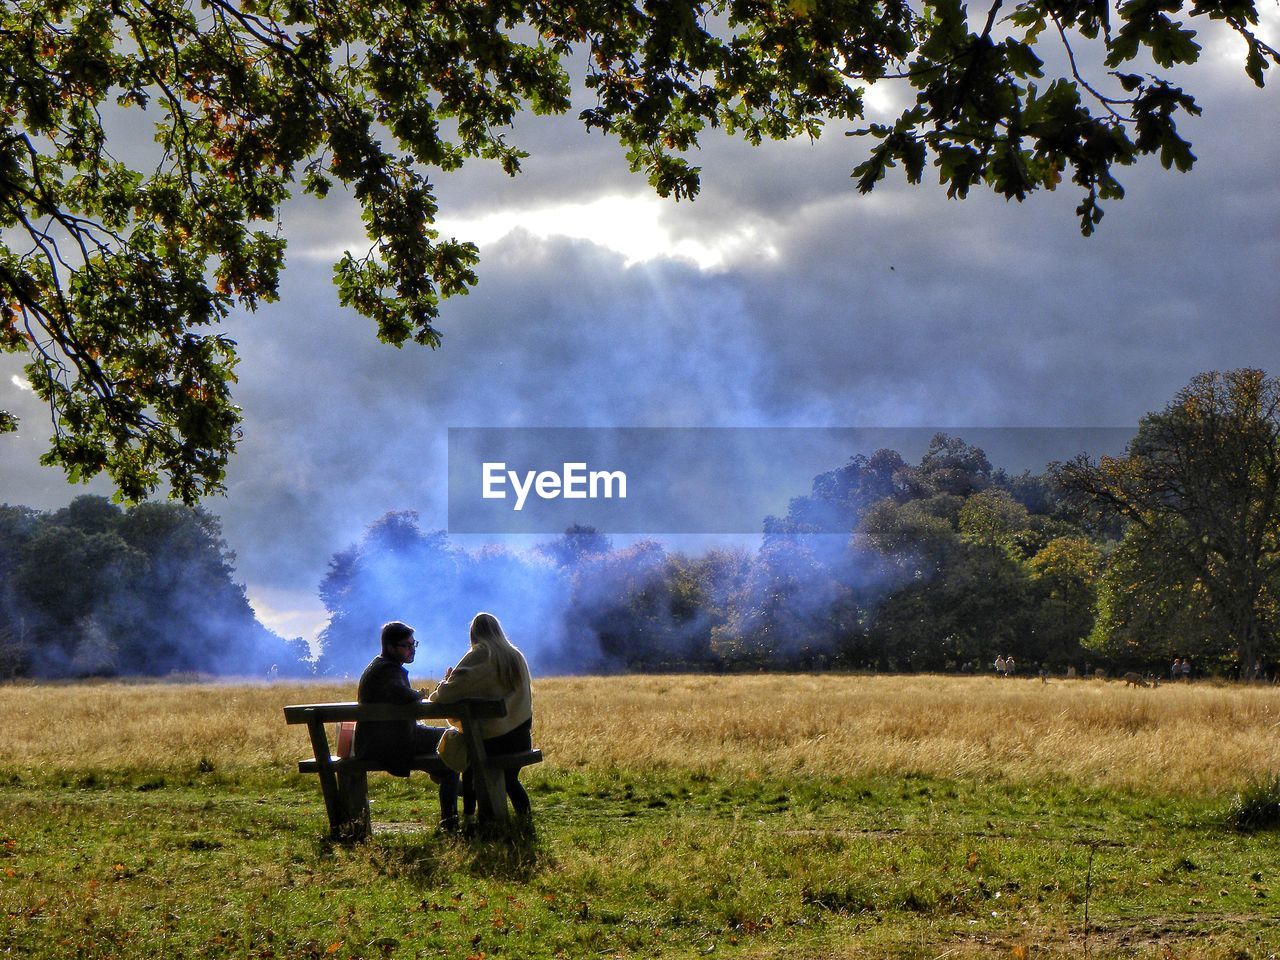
x=392, y=741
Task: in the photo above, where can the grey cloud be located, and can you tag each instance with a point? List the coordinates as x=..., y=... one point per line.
x=22, y=479
x=340, y=429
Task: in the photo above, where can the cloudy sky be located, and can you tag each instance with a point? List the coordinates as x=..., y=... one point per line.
x=779, y=297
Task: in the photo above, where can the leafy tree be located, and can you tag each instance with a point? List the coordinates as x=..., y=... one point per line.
x=1064, y=579
x=69, y=577
x=839, y=498
x=576, y=544
x=992, y=518
x=702, y=590
x=397, y=571
x=115, y=274
x=17, y=526
x=1034, y=491
x=90, y=515
x=792, y=610
x=191, y=612
x=1201, y=480
x=919, y=536
x=971, y=573
x=953, y=596
x=641, y=608
x=93, y=589
x=950, y=466
x=1147, y=611
x=619, y=611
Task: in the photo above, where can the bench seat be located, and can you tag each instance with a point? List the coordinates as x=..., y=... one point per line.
x=427, y=762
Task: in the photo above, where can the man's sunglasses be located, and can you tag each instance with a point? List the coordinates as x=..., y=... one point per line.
x=408, y=643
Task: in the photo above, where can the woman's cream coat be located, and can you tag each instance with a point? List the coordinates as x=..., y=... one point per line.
x=476, y=677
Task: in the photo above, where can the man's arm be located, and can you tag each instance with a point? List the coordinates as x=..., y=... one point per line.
x=390, y=685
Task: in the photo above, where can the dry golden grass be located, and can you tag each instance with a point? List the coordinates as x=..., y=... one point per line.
x=1179, y=739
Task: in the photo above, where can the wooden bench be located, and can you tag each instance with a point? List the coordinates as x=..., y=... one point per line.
x=344, y=780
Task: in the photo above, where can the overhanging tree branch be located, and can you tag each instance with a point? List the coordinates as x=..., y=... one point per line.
x=260, y=99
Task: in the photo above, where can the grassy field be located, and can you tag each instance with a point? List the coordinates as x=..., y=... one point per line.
x=677, y=816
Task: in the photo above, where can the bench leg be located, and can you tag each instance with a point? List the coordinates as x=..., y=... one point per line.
x=491, y=788
x=491, y=794
x=353, y=821
x=328, y=782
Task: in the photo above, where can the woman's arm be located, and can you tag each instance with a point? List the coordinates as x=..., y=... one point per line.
x=472, y=677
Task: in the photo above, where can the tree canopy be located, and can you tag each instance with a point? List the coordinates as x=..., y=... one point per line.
x=934, y=565
x=118, y=263
x=1200, y=488
x=93, y=590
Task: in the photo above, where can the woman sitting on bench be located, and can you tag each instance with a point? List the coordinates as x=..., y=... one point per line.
x=493, y=668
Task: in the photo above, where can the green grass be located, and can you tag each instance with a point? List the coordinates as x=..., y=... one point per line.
x=622, y=863
x=1257, y=806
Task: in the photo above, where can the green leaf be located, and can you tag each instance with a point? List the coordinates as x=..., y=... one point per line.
x=1022, y=59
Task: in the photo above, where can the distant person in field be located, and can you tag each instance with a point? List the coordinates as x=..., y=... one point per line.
x=1009, y=667
x=396, y=742
x=496, y=670
x=1175, y=670
x=999, y=666
x=1186, y=669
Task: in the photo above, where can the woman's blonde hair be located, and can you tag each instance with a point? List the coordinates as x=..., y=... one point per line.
x=508, y=662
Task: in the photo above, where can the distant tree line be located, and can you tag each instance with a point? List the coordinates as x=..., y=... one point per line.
x=944, y=564
x=884, y=565
x=96, y=590
x=1170, y=550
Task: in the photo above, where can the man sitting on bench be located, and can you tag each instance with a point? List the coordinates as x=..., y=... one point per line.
x=395, y=743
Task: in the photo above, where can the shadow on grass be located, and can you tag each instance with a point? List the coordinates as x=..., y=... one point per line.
x=514, y=854
x=430, y=858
